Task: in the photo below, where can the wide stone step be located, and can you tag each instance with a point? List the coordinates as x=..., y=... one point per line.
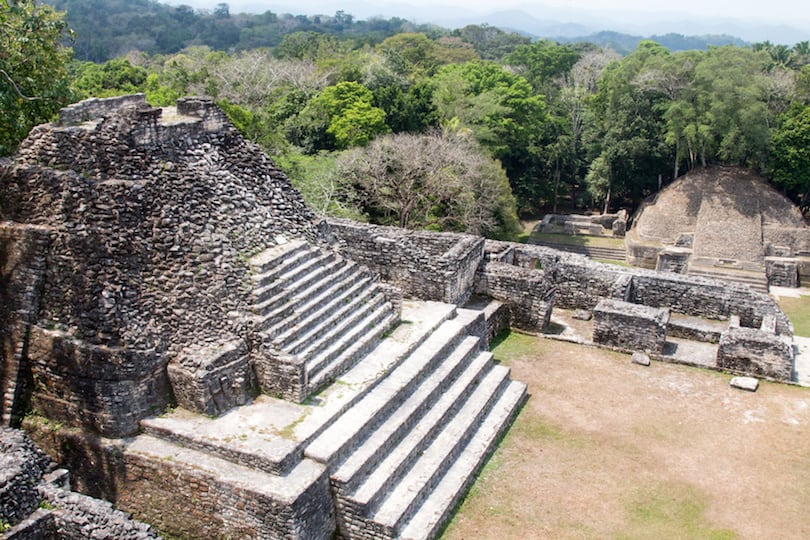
x=403, y=500
x=341, y=290
x=271, y=257
x=394, y=445
x=317, y=337
x=327, y=351
x=350, y=356
x=437, y=508
x=297, y=278
x=268, y=271
x=356, y=423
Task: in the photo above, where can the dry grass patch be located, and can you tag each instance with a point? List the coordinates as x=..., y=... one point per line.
x=607, y=449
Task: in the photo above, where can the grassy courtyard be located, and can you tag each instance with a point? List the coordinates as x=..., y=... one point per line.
x=607, y=449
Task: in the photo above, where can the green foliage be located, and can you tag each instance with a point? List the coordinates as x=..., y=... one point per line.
x=112, y=78
x=500, y=109
x=33, y=68
x=790, y=154
x=339, y=117
x=543, y=61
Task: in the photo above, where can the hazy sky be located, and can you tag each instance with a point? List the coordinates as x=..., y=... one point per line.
x=785, y=11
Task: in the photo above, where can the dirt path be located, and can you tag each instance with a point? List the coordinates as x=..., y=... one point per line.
x=608, y=449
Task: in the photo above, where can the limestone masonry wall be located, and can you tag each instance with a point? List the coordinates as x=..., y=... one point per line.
x=28, y=481
x=146, y=219
x=630, y=327
x=430, y=266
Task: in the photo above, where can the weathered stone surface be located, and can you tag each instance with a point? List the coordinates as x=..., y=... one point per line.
x=640, y=359
x=26, y=484
x=755, y=352
x=630, y=326
x=429, y=266
x=529, y=294
x=583, y=315
x=750, y=384
x=212, y=379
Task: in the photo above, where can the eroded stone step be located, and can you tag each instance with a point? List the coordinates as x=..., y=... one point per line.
x=273, y=256
x=287, y=261
x=322, y=305
x=327, y=351
x=350, y=356
x=356, y=423
x=384, y=456
x=349, y=322
x=297, y=278
x=437, y=508
x=403, y=500
x=307, y=332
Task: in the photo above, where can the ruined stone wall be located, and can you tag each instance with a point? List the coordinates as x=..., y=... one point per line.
x=581, y=283
x=630, y=327
x=752, y=351
x=528, y=293
x=22, y=265
x=185, y=500
x=708, y=298
x=105, y=389
x=28, y=482
x=429, y=266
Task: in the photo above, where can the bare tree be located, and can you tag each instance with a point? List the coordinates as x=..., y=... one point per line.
x=438, y=180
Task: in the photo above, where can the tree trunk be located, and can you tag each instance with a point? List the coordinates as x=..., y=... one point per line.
x=556, y=185
x=675, y=168
x=607, y=202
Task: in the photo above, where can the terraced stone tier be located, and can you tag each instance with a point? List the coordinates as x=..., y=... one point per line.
x=401, y=434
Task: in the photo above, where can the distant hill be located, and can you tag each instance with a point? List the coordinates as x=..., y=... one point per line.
x=626, y=43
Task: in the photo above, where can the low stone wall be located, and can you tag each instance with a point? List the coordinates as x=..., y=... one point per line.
x=105, y=389
x=429, y=266
x=528, y=293
x=95, y=108
x=756, y=352
x=630, y=327
x=694, y=330
x=185, y=500
x=28, y=481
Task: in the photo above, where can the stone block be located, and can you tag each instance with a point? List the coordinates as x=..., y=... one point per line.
x=782, y=271
x=640, y=358
x=745, y=383
x=753, y=352
x=213, y=379
x=630, y=327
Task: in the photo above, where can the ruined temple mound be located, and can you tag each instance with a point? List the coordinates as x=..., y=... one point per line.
x=150, y=216
x=725, y=208
x=726, y=223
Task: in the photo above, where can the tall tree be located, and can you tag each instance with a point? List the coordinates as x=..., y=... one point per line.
x=33, y=68
x=439, y=180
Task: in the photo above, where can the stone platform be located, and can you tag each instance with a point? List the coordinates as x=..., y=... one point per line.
x=386, y=451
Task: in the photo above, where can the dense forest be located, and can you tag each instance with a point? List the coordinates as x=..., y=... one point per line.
x=422, y=126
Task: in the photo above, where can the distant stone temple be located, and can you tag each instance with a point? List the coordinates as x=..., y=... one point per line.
x=723, y=222
x=200, y=349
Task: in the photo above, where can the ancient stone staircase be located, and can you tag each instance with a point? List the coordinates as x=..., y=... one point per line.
x=391, y=453
x=317, y=306
x=756, y=279
x=401, y=436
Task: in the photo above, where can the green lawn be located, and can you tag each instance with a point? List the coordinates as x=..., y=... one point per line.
x=798, y=311
x=577, y=240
